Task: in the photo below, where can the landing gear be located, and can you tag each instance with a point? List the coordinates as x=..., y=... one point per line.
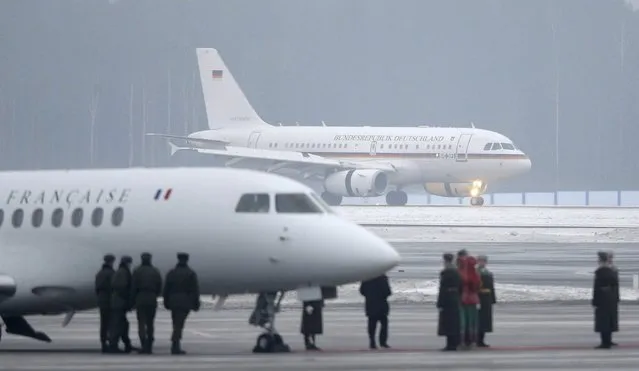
x=331, y=199
x=477, y=201
x=263, y=316
x=396, y=198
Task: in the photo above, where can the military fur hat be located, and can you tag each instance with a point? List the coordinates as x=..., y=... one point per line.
x=182, y=256
x=109, y=258
x=126, y=259
x=602, y=256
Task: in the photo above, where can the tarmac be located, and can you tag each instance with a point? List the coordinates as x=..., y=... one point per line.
x=526, y=337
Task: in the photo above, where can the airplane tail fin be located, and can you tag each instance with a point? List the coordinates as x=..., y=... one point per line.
x=226, y=104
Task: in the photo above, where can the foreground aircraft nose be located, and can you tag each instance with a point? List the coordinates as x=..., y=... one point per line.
x=372, y=256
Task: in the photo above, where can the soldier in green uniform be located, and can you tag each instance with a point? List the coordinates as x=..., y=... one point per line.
x=487, y=298
x=120, y=305
x=103, y=291
x=181, y=295
x=449, y=304
x=146, y=288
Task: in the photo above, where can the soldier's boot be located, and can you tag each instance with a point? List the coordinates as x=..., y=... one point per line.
x=480, y=340
x=176, y=349
x=143, y=346
x=149, y=346
x=371, y=343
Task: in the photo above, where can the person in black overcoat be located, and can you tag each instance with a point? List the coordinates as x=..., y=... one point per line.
x=487, y=298
x=605, y=299
x=448, y=303
x=376, y=291
x=312, y=322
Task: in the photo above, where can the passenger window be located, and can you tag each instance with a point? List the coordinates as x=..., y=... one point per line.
x=96, y=216
x=76, y=217
x=507, y=146
x=17, y=218
x=253, y=203
x=37, y=217
x=117, y=216
x=295, y=203
x=56, y=217
x=496, y=146
x=488, y=146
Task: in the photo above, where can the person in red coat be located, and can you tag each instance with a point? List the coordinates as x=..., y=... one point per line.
x=471, y=283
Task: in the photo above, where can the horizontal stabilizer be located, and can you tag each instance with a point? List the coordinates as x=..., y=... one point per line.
x=192, y=141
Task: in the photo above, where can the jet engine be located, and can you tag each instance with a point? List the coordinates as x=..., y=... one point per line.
x=474, y=189
x=357, y=183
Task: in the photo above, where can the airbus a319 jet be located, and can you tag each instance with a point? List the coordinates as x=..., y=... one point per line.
x=349, y=161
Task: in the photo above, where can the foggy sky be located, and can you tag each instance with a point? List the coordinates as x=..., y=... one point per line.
x=356, y=62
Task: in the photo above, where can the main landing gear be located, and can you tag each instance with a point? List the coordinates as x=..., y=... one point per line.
x=477, y=201
x=266, y=307
x=396, y=198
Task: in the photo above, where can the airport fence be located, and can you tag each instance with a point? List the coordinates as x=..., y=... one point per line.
x=563, y=198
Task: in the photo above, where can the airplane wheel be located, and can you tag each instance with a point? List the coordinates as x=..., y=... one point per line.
x=270, y=343
x=331, y=199
x=477, y=201
x=396, y=198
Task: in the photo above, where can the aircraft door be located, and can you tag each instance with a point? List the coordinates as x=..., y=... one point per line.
x=462, y=148
x=373, y=150
x=253, y=138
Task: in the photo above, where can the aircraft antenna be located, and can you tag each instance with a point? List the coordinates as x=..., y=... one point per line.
x=323, y=123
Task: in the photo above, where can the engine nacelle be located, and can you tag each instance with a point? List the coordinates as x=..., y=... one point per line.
x=8, y=287
x=473, y=189
x=357, y=183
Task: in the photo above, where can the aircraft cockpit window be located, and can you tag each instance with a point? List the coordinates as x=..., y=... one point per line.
x=56, y=217
x=96, y=216
x=37, y=217
x=496, y=146
x=488, y=146
x=17, y=218
x=295, y=203
x=117, y=217
x=253, y=203
x=76, y=217
x=507, y=146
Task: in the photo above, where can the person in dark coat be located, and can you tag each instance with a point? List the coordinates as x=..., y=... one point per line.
x=449, y=303
x=376, y=291
x=103, y=292
x=146, y=288
x=120, y=305
x=181, y=295
x=312, y=322
x=616, y=270
x=605, y=299
x=487, y=298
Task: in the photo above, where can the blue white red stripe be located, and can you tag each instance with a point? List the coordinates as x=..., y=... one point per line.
x=163, y=194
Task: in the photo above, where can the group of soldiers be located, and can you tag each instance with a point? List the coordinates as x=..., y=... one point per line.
x=121, y=291
x=465, y=301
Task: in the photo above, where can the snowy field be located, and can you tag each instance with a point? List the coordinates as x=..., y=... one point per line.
x=521, y=216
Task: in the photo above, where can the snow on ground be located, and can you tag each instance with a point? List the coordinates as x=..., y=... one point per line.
x=419, y=291
x=514, y=235
x=493, y=216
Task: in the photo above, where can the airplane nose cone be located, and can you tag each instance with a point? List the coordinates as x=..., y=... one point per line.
x=374, y=256
x=526, y=164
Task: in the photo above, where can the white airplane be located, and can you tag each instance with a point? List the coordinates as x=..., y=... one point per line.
x=351, y=161
x=246, y=232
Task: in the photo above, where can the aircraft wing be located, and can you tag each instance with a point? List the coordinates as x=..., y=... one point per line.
x=274, y=161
